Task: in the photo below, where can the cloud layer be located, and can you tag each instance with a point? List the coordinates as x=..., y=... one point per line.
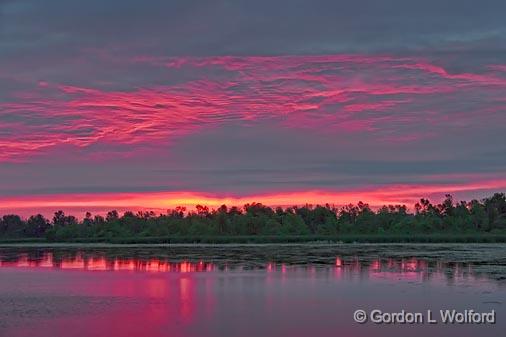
x=251, y=99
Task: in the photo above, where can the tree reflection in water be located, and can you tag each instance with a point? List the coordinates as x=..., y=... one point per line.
x=410, y=268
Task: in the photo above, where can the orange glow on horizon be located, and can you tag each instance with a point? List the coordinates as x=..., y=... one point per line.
x=374, y=196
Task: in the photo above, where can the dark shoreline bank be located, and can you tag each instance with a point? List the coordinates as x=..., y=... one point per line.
x=350, y=238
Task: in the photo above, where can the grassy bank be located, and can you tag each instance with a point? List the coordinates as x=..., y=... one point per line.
x=346, y=238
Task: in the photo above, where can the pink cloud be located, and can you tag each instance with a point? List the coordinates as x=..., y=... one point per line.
x=336, y=93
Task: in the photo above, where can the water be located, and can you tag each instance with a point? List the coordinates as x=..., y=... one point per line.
x=256, y=290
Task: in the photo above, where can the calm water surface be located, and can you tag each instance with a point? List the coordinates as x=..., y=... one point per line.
x=257, y=290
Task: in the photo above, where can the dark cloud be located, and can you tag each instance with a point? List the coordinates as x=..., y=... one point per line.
x=58, y=38
x=203, y=28
x=256, y=159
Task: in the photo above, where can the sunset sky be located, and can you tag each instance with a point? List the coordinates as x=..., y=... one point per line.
x=128, y=104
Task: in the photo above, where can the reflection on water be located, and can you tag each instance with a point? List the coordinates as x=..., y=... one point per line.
x=243, y=291
x=343, y=266
x=78, y=261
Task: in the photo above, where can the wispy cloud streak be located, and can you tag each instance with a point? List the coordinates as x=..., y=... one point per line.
x=385, y=95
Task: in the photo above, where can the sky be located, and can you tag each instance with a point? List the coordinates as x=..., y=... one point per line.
x=154, y=104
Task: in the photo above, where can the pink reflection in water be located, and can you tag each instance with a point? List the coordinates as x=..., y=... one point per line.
x=104, y=264
x=165, y=298
x=375, y=265
x=410, y=269
x=74, y=263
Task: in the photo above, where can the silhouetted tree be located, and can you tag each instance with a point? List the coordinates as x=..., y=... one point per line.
x=258, y=219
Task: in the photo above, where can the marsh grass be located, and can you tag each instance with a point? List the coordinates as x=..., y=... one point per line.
x=345, y=238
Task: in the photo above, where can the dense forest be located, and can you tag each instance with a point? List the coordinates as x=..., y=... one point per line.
x=255, y=219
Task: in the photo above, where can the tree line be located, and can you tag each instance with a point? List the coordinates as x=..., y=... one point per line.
x=487, y=215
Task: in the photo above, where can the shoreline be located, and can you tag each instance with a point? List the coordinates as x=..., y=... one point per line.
x=231, y=245
x=285, y=240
